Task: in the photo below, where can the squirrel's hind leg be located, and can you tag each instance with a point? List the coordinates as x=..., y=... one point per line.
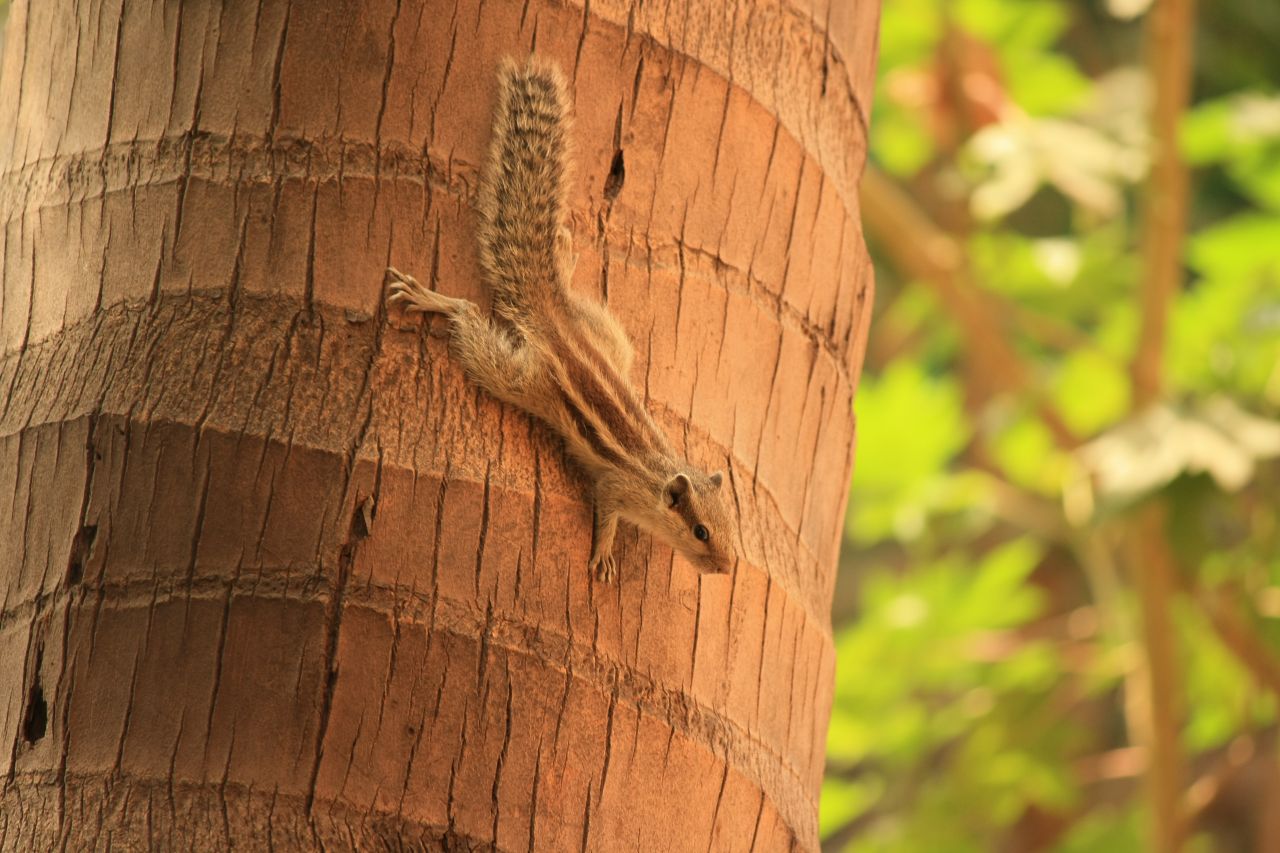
x=407, y=290
x=493, y=358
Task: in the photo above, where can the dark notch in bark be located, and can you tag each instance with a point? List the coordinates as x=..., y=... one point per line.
x=617, y=174
x=618, y=166
x=80, y=547
x=35, y=720
x=612, y=186
x=362, y=519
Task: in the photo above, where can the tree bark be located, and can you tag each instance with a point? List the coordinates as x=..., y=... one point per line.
x=274, y=574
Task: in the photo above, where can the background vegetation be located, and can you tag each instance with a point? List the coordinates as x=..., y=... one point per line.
x=1058, y=616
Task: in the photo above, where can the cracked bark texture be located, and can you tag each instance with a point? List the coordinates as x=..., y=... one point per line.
x=274, y=575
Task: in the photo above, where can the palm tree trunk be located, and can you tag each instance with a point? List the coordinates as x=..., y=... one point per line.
x=273, y=573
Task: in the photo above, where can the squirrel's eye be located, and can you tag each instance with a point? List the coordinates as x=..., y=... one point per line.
x=700, y=533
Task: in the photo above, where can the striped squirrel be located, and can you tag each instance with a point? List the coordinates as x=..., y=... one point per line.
x=561, y=358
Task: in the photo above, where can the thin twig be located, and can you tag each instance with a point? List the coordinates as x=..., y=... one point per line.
x=1170, y=28
x=1169, y=34
x=1157, y=685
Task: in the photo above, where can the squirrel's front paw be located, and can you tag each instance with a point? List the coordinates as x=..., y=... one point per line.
x=605, y=569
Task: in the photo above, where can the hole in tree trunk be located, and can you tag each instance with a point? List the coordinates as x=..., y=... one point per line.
x=80, y=553
x=362, y=519
x=36, y=719
x=617, y=174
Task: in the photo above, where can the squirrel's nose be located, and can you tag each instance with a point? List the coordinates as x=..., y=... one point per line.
x=717, y=565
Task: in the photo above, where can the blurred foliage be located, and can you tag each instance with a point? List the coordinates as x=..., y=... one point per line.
x=986, y=617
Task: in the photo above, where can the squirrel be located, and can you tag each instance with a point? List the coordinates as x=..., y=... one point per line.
x=558, y=356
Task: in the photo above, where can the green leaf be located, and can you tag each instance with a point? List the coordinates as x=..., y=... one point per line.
x=1241, y=247
x=1226, y=699
x=1226, y=326
x=1019, y=26
x=1229, y=127
x=1208, y=132
x=899, y=472
x=909, y=35
x=1026, y=451
x=1091, y=391
x=999, y=594
x=1048, y=85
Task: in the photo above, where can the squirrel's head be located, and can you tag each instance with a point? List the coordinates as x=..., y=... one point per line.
x=695, y=521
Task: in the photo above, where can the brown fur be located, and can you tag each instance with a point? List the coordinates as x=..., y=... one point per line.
x=559, y=357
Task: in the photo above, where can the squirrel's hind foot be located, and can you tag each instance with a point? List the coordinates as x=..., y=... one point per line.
x=407, y=290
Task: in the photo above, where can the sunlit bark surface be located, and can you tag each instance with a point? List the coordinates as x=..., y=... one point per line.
x=273, y=573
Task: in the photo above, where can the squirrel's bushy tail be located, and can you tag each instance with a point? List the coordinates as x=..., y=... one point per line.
x=522, y=192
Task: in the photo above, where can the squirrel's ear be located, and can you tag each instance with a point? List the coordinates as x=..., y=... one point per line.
x=675, y=489
x=717, y=478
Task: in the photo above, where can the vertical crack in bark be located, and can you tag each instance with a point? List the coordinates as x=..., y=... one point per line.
x=764, y=641
x=309, y=287
x=386, y=76
x=755, y=831
x=220, y=650
x=537, y=515
x=115, y=75
x=715, y=813
x=187, y=145
x=582, y=40
x=35, y=719
x=444, y=80
x=482, y=666
x=484, y=526
x=130, y=702
x=382, y=111
x=697, y=633
x=65, y=693
x=608, y=741
x=451, y=810
x=586, y=823
x=277, y=73
x=563, y=710
x=533, y=800
x=333, y=627
x=495, y=791
x=437, y=541
x=635, y=84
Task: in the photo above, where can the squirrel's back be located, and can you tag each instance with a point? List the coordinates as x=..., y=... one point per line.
x=522, y=192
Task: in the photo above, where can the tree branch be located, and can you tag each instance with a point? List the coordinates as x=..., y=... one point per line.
x=1157, y=685
x=1169, y=37
x=923, y=251
x=1170, y=28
